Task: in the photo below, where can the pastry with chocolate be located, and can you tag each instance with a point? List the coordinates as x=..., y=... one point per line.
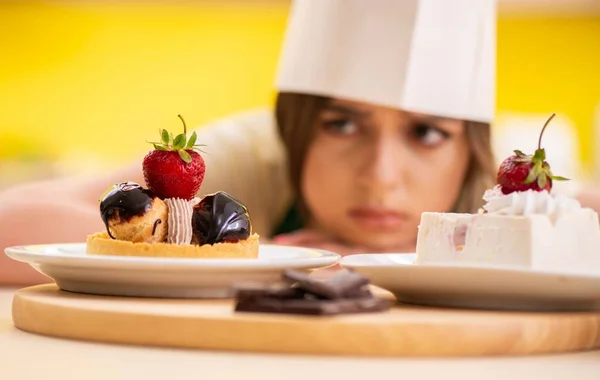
x=220, y=217
x=133, y=213
x=167, y=219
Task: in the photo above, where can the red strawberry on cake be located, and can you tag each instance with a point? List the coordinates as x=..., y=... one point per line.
x=175, y=168
x=522, y=172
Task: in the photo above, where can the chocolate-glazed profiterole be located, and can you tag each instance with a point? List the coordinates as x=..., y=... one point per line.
x=220, y=218
x=134, y=214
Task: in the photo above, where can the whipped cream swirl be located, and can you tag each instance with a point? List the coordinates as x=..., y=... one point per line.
x=527, y=202
x=180, y=220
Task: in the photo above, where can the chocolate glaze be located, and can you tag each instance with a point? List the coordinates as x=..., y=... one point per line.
x=125, y=200
x=156, y=223
x=220, y=218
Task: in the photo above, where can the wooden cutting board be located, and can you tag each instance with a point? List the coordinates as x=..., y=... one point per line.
x=212, y=325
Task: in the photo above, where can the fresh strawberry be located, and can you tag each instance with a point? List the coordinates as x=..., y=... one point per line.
x=174, y=169
x=522, y=172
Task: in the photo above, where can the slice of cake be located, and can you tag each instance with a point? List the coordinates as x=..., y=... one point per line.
x=538, y=238
x=521, y=224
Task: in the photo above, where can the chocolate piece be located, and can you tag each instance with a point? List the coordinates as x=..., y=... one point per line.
x=344, y=293
x=313, y=307
x=363, y=292
x=220, y=218
x=340, y=285
x=268, y=291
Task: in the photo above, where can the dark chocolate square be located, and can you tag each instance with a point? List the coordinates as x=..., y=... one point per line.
x=340, y=285
x=312, y=307
x=271, y=291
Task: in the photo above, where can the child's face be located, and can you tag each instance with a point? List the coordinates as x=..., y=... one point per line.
x=371, y=171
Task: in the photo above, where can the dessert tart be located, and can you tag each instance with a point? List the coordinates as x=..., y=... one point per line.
x=167, y=219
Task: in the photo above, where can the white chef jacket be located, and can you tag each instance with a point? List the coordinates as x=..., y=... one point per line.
x=245, y=158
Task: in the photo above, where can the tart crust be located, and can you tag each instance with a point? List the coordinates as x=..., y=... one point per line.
x=101, y=244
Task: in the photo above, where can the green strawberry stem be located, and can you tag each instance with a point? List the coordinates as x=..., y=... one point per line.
x=543, y=129
x=180, y=143
x=185, y=127
x=540, y=171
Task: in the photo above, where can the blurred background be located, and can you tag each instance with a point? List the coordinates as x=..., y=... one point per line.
x=84, y=84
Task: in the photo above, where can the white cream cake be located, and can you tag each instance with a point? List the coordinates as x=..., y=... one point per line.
x=530, y=229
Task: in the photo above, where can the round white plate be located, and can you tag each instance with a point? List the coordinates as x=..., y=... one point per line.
x=74, y=270
x=476, y=287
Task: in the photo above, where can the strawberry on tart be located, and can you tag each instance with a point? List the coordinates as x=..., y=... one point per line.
x=166, y=219
x=521, y=224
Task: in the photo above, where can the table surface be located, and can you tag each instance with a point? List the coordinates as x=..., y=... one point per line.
x=28, y=356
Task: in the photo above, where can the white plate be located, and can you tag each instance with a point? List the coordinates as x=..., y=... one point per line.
x=74, y=270
x=476, y=287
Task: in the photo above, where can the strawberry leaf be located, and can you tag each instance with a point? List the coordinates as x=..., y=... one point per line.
x=191, y=141
x=195, y=148
x=539, y=155
x=519, y=153
x=159, y=147
x=559, y=178
x=179, y=142
x=531, y=176
x=185, y=156
x=542, y=180
x=164, y=135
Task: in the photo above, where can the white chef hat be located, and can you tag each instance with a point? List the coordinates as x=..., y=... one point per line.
x=429, y=56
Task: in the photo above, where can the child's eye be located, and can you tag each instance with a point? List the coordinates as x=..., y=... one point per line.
x=343, y=127
x=429, y=135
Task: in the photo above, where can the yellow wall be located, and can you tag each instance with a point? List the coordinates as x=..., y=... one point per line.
x=104, y=78
x=99, y=80
x=550, y=65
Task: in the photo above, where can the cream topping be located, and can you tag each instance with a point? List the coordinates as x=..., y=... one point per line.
x=180, y=220
x=527, y=202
